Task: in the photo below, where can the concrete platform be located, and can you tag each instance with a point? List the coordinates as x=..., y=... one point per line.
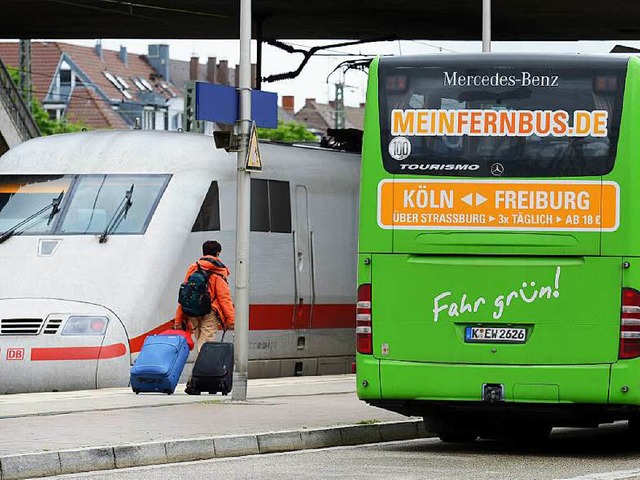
x=53, y=433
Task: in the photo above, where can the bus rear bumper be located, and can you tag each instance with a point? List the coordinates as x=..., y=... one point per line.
x=558, y=415
x=574, y=394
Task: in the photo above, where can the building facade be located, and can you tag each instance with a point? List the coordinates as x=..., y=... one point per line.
x=102, y=88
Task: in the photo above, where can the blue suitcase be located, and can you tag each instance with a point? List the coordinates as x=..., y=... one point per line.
x=160, y=363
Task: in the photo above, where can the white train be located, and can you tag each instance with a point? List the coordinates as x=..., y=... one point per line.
x=117, y=218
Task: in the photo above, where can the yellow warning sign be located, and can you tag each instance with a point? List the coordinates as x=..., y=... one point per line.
x=253, y=161
x=505, y=205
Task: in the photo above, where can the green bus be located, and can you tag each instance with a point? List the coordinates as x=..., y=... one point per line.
x=499, y=242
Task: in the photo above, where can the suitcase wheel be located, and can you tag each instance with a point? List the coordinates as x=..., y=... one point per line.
x=136, y=392
x=169, y=392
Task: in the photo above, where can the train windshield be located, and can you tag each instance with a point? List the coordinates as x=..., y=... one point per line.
x=96, y=199
x=23, y=195
x=89, y=203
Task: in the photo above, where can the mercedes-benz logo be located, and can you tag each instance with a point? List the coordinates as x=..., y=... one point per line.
x=497, y=169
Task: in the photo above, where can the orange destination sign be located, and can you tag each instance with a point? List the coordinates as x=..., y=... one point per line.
x=505, y=205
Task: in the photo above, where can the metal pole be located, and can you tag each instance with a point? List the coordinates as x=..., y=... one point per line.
x=486, y=25
x=25, y=72
x=259, y=55
x=243, y=211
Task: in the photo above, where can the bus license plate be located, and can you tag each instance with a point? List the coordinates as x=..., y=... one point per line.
x=495, y=334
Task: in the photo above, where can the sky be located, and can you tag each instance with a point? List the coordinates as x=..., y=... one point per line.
x=316, y=80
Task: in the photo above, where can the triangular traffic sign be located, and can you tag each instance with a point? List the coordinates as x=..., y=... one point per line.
x=253, y=161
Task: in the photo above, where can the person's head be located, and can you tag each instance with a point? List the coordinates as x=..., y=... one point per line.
x=211, y=247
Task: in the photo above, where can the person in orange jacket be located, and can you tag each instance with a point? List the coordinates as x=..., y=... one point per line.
x=222, y=310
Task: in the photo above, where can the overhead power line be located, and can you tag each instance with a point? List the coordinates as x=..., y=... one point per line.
x=136, y=5
x=308, y=54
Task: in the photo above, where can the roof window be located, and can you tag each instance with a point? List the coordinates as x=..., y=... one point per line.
x=138, y=84
x=123, y=82
x=119, y=83
x=146, y=84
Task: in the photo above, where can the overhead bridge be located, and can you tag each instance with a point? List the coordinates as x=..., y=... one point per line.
x=16, y=122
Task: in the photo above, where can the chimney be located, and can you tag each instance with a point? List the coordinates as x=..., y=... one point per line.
x=123, y=56
x=288, y=103
x=332, y=103
x=158, y=58
x=222, y=76
x=254, y=75
x=237, y=82
x=211, y=69
x=307, y=101
x=362, y=104
x=193, y=68
x=98, y=50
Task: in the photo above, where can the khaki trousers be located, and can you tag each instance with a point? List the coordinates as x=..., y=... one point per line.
x=205, y=327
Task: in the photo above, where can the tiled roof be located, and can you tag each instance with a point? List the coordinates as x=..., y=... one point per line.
x=321, y=116
x=180, y=73
x=45, y=57
x=88, y=61
x=87, y=107
x=354, y=116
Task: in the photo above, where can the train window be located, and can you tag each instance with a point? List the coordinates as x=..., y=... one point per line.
x=209, y=217
x=270, y=206
x=279, y=206
x=25, y=196
x=259, y=205
x=96, y=201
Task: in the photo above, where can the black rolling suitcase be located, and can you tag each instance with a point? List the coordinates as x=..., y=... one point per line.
x=213, y=370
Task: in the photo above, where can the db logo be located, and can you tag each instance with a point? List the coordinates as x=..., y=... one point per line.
x=15, y=353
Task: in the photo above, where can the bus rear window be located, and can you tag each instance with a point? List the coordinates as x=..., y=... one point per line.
x=500, y=116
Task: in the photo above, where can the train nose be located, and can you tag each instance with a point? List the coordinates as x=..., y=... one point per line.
x=56, y=345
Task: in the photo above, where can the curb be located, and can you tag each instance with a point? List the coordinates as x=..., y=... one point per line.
x=30, y=465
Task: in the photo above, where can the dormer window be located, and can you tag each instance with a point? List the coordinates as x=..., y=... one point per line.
x=65, y=78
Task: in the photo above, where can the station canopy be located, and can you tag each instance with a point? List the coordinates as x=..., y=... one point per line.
x=322, y=19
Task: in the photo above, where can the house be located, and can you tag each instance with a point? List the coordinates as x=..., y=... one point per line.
x=286, y=112
x=214, y=71
x=102, y=88
x=318, y=117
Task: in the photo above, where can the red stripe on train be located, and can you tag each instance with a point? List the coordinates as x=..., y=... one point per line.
x=135, y=344
x=79, y=353
x=281, y=317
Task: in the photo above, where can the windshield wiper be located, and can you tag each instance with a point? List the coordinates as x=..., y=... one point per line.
x=119, y=215
x=18, y=228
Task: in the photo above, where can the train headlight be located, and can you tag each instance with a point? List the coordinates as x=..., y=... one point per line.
x=81, y=325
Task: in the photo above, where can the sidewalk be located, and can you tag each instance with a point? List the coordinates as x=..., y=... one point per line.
x=52, y=433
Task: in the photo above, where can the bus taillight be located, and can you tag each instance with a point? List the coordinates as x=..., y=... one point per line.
x=363, y=319
x=630, y=324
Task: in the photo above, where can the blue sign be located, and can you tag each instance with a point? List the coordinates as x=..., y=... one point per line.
x=220, y=103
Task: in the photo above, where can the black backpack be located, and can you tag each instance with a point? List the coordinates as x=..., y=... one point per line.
x=194, y=294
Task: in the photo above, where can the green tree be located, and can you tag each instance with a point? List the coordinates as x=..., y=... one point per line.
x=45, y=124
x=287, y=132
